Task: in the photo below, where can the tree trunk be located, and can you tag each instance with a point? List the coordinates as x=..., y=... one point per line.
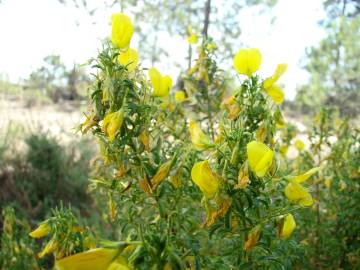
x=207, y=18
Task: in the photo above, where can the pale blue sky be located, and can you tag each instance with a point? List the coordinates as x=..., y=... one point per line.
x=33, y=29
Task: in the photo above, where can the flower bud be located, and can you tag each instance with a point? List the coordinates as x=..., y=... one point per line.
x=161, y=84
x=41, y=231
x=112, y=123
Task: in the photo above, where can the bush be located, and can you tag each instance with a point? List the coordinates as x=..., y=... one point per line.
x=47, y=173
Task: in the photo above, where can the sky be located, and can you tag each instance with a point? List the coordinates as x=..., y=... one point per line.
x=33, y=29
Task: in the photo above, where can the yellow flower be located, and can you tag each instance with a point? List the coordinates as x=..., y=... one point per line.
x=224, y=204
x=343, y=185
x=144, y=185
x=176, y=179
x=234, y=111
x=272, y=89
x=328, y=182
x=180, y=96
x=243, y=179
x=41, y=231
x=89, y=122
x=299, y=145
x=287, y=226
x=276, y=93
x=205, y=178
x=198, y=137
x=280, y=70
x=144, y=138
x=89, y=242
x=260, y=157
x=192, y=37
x=252, y=239
x=279, y=119
x=283, y=150
x=305, y=176
x=50, y=247
x=229, y=101
x=130, y=59
x=161, y=85
x=247, y=61
x=119, y=264
x=296, y=193
x=261, y=133
x=167, y=266
x=112, y=208
x=211, y=46
x=112, y=123
x=161, y=174
x=122, y=30
x=94, y=259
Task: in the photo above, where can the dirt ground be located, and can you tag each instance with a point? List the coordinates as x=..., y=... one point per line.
x=55, y=119
x=60, y=119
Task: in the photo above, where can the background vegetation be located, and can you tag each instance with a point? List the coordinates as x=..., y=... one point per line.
x=40, y=170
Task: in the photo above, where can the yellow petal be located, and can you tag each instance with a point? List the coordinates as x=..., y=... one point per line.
x=305, y=176
x=192, y=37
x=41, y=231
x=280, y=70
x=130, y=59
x=298, y=194
x=211, y=46
x=119, y=264
x=276, y=93
x=283, y=150
x=198, y=137
x=166, y=85
x=299, y=144
x=180, y=96
x=260, y=157
x=247, y=61
x=112, y=123
x=205, y=178
x=94, y=259
x=279, y=119
x=328, y=182
x=161, y=85
x=155, y=78
x=50, y=247
x=122, y=30
x=287, y=227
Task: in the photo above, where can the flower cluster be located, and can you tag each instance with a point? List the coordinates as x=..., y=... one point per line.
x=168, y=151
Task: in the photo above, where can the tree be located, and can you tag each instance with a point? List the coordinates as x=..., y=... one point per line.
x=56, y=81
x=334, y=64
x=218, y=19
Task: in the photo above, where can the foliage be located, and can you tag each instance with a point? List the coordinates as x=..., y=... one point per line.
x=330, y=228
x=154, y=142
x=334, y=65
x=153, y=18
x=17, y=250
x=54, y=80
x=46, y=174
